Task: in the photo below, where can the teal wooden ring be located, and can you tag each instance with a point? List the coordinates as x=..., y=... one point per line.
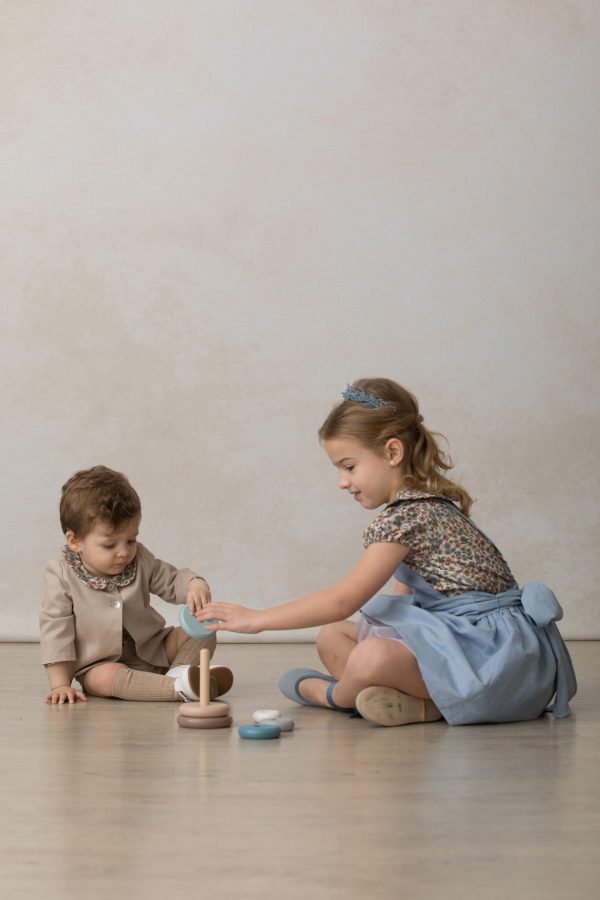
x=192, y=626
x=260, y=732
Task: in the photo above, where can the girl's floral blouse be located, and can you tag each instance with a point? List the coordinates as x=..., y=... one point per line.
x=444, y=547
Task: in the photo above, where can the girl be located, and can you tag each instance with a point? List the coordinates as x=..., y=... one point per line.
x=96, y=621
x=456, y=638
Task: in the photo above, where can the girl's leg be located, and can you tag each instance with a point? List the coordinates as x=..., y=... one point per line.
x=117, y=680
x=374, y=661
x=335, y=643
x=382, y=662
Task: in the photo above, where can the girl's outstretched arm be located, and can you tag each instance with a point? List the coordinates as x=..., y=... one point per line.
x=376, y=566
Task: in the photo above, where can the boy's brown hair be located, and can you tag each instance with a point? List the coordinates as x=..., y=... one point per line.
x=97, y=494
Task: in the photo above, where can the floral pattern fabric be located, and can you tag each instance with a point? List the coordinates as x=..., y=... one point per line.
x=98, y=582
x=444, y=546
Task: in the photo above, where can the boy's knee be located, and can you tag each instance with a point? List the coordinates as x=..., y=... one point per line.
x=99, y=680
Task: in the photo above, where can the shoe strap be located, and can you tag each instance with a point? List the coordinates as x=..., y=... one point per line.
x=331, y=701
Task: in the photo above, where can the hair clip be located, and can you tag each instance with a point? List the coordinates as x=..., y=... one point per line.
x=359, y=396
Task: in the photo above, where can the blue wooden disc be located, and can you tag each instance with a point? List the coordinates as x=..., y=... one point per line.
x=192, y=626
x=260, y=732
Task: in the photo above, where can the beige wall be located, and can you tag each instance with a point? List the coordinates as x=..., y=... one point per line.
x=215, y=214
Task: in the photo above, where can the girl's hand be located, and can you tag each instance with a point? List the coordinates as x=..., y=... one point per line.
x=198, y=595
x=64, y=693
x=231, y=618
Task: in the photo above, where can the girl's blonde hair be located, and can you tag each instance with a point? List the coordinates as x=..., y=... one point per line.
x=424, y=464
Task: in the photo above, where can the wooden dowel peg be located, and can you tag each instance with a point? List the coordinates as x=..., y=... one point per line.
x=204, y=677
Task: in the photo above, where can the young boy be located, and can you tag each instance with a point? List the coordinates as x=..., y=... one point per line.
x=96, y=622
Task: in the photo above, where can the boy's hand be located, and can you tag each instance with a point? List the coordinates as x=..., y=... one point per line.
x=64, y=693
x=198, y=595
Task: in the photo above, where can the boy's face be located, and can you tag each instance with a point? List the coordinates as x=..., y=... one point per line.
x=106, y=550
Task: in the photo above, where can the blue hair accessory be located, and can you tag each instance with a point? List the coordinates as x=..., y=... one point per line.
x=358, y=396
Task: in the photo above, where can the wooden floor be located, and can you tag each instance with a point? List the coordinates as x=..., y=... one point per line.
x=112, y=799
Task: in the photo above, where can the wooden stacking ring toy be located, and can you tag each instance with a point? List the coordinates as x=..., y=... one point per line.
x=197, y=711
x=192, y=626
x=256, y=732
x=265, y=715
x=273, y=717
x=282, y=722
x=204, y=714
x=215, y=722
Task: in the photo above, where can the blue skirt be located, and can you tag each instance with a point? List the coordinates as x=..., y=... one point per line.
x=484, y=657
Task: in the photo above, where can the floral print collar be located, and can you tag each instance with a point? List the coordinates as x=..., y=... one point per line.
x=412, y=494
x=98, y=582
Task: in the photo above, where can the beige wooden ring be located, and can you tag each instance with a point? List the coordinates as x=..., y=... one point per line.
x=215, y=722
x=198, y=711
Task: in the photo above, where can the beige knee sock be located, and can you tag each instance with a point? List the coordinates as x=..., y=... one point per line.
x=129, y=684
x=189, y=652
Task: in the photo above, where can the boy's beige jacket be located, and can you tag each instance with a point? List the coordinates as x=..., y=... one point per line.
x=83, y=625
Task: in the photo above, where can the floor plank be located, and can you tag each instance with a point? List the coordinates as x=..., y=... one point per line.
x=113, y=798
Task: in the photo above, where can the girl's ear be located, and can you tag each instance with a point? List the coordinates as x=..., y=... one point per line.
x=72, y=542
x=395, y=451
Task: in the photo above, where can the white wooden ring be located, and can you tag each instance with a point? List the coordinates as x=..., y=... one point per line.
x=262, y=715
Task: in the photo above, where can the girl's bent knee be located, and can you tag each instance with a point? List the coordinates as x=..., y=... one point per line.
x=326, y=635
x=368, y=658
x=335, y=630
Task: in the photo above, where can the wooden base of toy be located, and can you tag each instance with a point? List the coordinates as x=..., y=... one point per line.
x=214, y=722
x=198, y=711
x=205, y=714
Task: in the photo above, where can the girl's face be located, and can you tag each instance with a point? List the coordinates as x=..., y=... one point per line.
x=106, y=550
x=371, y=479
